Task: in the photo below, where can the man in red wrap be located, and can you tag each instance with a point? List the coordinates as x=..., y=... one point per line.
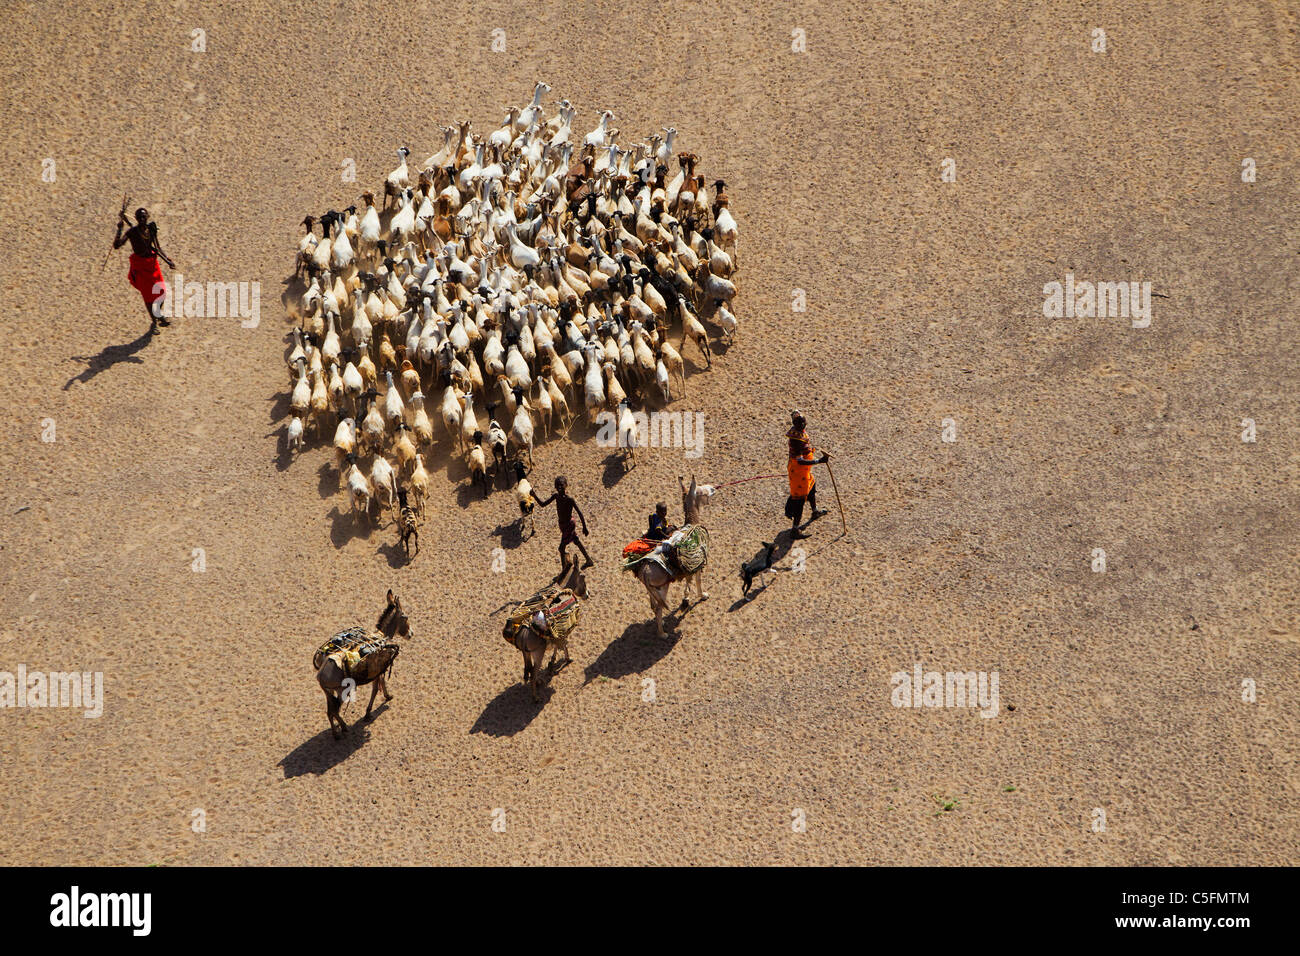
x=145, y=272
x=803, y=487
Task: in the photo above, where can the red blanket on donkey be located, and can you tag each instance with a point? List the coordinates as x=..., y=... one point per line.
x=147, y=277
x=640, y=546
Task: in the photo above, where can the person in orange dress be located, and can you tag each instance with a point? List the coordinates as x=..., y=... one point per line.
x=803, y=486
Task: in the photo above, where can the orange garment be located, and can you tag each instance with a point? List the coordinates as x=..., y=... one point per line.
x=639, y=547
x=800, y=467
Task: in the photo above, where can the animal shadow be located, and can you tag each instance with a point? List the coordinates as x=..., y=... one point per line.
x=512, y=710
x=323, y=752
x=279, y=407
x=109, y=356
x=467, y=492
x=395, y=554
x=286, y=456
x=327, y=483
x=511, y=534
x=637, y=649
x=346, y=524
x=751, y=596
x=614, y=469
x=781, y=547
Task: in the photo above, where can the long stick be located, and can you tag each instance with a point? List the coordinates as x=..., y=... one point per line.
x=741, y=481
x=120, y=216
x=843, y=520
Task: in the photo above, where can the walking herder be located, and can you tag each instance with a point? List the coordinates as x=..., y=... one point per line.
x=145, y=273
x=565, y=507
x=803, y=486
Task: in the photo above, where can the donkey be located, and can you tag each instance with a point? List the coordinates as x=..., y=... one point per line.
x=657, y=580
x=693, y=498
x=373, y=668
x=532, y=641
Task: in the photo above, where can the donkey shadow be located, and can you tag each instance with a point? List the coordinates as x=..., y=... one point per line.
x=322, y=752
x=109, y=356
x=637, y=649
x=512, y=710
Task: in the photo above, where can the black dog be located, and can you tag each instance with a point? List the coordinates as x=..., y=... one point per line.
x=756, y=566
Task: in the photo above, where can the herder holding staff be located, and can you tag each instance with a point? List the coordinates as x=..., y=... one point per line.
x=802, y=484
x=145, y=273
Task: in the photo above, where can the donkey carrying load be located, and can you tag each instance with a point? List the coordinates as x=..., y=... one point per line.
x=359, y=656
x=547, y=619
x=657, y=564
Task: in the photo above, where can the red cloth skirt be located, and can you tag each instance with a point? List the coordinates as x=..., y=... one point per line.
x=147, y=277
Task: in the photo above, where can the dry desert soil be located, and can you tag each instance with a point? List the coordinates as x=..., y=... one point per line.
x=1126, y=691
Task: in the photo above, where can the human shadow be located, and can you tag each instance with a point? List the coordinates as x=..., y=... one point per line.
x=322, y=752
x=511, y=710
x=109, y=356
x=637, y=649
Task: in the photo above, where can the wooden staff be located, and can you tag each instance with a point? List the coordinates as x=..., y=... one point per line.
x=843, y=520
x=120, y=216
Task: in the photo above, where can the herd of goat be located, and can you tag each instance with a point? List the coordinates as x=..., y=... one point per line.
x=520, y=280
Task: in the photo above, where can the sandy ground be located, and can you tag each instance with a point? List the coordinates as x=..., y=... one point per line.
x=924, y=303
